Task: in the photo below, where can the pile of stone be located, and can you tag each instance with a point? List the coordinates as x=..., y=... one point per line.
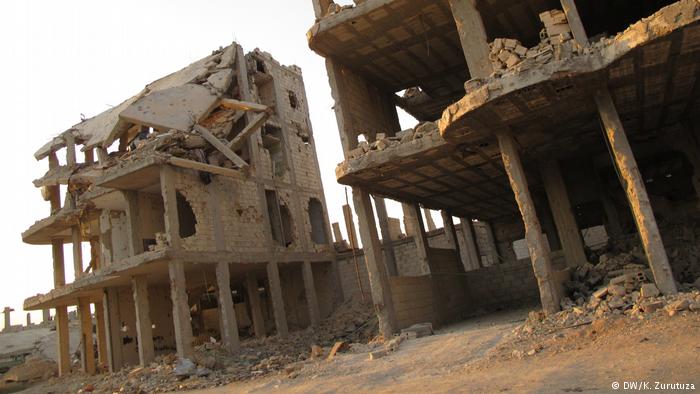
x=382, y=142
x=509, y=56
x=618, y=285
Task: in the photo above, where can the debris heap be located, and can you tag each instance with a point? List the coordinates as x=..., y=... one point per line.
x=382, y=142
x=508, y=55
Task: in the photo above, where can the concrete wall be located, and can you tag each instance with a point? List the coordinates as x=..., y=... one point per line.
x=413, y=300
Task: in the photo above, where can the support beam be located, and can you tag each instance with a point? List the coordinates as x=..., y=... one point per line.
x=337, y=234
x=181, y=310
x=144, y=329
x=76, y=238
x=273, y=279
x=87, y=349
x=172, y=222
x=321, y=7
x=115, y=356
x=251, y=282
x=575, y=23
x=389, y=253
x=310, y=291
x=429, y=222
x=569, y=233
x=451, y=235
x=350, y=226
x=220, y=146
x=472, y=35
x=376, y=269
x=62, y=333
x=133, y=218
x=255, y=124
x=473, y=257
x=243, y=105
x=420, y=238
x=633, y=183
x=541, y=261
x=227, y=313
x=102, y=357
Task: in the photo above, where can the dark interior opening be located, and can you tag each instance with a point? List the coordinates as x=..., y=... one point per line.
x=186, y=217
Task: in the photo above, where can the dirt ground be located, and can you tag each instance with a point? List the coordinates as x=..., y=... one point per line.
x=483, y=355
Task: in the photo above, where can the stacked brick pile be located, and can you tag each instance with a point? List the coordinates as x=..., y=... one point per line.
x=510, y=56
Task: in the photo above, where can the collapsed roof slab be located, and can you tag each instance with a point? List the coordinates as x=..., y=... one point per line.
x=650, y=69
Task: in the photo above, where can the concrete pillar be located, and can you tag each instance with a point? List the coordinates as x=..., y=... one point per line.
x=112, y=329
x=87, y=350
x=414, y=217
x=567, y=229
x=451, y=235
x=77, y=251
x=133, y=222
x=144, y=328
x=172, y=222
x=429, y=222
x=8, y=321
x=102, y=155
x=102, y=356
x=227, y=314
x=310, y=291
x=90, y=156
x=541, y=261
x=320, y=7
x=408, y=222
x=575, y=22
x=472, y=35
x=493, y=254
x=181, y=310
x=64, y=364
x=273, y=280
x=70, y=148
x=636, y=193
x=376, y=269
x=472, y=259
x=337, y=234
x=350, y=226
x=383, y=218
x=251, y=282
x=29, y=319
x=59, y=270
x=45, y=315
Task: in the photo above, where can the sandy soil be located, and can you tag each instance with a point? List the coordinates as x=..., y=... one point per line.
x=482, y=355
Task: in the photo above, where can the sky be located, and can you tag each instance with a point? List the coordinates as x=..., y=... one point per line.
x=65, y=59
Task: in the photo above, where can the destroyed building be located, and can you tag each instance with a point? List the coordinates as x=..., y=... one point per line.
x=537, y=120
x=201, y=203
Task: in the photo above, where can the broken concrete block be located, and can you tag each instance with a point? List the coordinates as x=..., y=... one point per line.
x=221, y=80
x=512, y=60
x=426, y=128
x=520, y=50
x=649, y=290
x=377, y=354
x=677, y=306
x=600, y=293
x=382, y=144
x=421, y=329
x=694, y=306
x=510, y=43
x=651, y=307
x=554, y=30
x=380, y=136
x=617, y=290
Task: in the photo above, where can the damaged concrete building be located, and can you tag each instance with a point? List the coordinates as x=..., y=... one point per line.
x=200, y=200
x=538, y=119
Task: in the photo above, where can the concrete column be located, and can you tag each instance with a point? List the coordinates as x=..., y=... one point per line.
x=251, y=282
x=133, y=228
x=320, y=7
x=112, y=329
x=70, y=149
x=421, y=240
x=102, y=357
x=408, y=223
x=337, y=234
x=310, y=291
x=45, y=315
x=429, y=222
x=90, y=156
x=376, y=269
x=541, y=261
x=472, y=260
x=172, y=222
x=62, y=333
x=144, y=328
x=227, y=313
x=8, y=321
x=575, y=22
x=59, y=270
x=54, y=190
x=493, y=246
x=636, y=193
x=383, y=218
x=102, y=155
x=569, y=233
x=87, y=350
x=29, y=319
x=350, y=226
x=472, y=35
x=77, y=251
x=273, y=280
x=181, y=310
x=451, y=235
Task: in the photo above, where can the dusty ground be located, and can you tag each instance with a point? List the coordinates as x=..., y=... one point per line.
x=478, y=356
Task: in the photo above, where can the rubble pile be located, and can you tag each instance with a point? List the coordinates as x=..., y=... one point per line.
x=353, y=324
x=618, y=285
x=508, y=55
x=382, y=142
